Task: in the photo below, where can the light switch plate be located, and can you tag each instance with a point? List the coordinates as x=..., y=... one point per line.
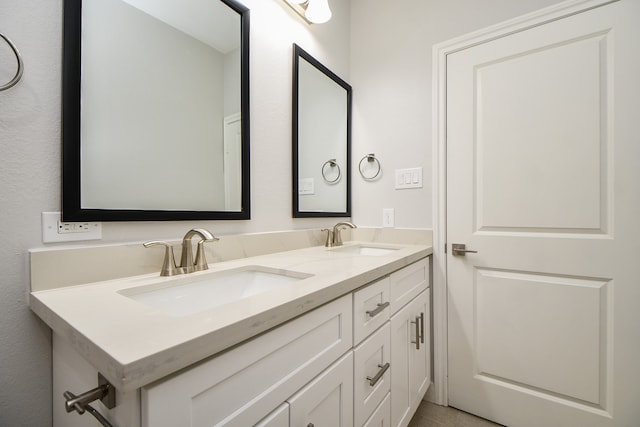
x=408, y=178
x=306, y=186
x=54, y=230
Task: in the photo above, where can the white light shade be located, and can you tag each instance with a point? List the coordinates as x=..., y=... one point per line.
x=318, y=11
x=296, y=1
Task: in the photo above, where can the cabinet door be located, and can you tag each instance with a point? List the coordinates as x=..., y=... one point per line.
x=420, y=360
x=327, y=401
x=381, y=416
x=410, y=358
x=278, y=418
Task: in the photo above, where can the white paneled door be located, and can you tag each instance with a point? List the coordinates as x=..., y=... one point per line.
x=543, y=181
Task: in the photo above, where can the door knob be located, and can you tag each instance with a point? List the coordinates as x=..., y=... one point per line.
x=461, y=249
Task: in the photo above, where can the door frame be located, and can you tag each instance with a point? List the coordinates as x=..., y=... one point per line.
x=439, y=392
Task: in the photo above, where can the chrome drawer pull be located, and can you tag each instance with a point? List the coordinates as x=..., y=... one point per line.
x=378, y=309
x=383, y=368
x=422, y=328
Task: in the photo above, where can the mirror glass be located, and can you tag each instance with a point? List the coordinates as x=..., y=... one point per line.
x=321, y=139
x=155, y=110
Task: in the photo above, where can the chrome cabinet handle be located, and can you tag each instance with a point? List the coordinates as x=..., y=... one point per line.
x=378, y=309
x=417, y=341
x=460, y=249
x=383, y=368
x=422, y=328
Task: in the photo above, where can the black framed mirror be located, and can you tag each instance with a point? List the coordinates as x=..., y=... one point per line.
x=321, y=136
x=155, y=110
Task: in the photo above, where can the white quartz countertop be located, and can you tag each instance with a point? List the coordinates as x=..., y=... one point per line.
x=133, y=345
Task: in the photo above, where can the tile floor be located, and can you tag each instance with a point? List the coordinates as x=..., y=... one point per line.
x=430, y=415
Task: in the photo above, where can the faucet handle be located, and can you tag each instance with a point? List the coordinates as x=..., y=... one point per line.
x=169, y=264
x=329, y=242
x=201, y=261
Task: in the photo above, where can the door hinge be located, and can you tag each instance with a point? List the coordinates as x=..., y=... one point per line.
x=445, y=248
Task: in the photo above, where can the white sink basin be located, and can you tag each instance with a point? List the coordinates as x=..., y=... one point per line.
x=192, y=294
x=365, y=250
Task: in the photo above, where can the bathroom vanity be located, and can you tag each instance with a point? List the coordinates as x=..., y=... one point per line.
x=343, y=340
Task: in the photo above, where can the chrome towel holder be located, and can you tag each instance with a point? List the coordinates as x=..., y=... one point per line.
x=371, y=160
x=105, y=392
x=332, y=164
x=18, y=75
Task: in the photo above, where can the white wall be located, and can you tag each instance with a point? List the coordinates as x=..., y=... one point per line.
x=390, y=72
x=391, y=75
x=30, y=169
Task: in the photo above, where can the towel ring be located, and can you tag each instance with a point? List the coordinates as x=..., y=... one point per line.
x=370, y=158
x=332, y=163
x=18, y=75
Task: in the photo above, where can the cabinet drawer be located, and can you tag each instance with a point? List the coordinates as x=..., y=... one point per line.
x=370, y=309
x=381, y=417
x=243, y=385
x=327, y=400
x=406, y=283
x=372, y=373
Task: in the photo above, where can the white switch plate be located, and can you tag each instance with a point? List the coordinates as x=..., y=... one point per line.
x=388, y=215
x=306, y=186
x=408, y=178
x=54, y=230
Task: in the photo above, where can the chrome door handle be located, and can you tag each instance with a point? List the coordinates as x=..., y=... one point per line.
x=417, y=341
x=461, y=249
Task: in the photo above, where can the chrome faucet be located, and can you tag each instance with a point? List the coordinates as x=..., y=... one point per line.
x=333, y=235
x=186, y=261
x=187, y=264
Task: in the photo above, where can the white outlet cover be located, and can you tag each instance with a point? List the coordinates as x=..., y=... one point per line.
x=388, y=217
x=51, y=225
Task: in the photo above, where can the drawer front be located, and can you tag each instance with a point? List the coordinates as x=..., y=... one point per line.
x=327, y=400
x=381, y=417
x=243, y=385
x=370, y=308
x=406, y=283
x=372, y=373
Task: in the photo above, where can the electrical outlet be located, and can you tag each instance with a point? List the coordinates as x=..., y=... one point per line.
x=55, y=230
x=388, y=217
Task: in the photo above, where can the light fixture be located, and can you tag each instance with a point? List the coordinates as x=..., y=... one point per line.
x=312, y=11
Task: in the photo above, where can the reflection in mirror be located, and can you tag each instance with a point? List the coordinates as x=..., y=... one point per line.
x=155, y=110
x=321, y=139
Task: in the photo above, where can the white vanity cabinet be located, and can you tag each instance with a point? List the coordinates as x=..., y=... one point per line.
x=360, y=360
x=351, y=362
